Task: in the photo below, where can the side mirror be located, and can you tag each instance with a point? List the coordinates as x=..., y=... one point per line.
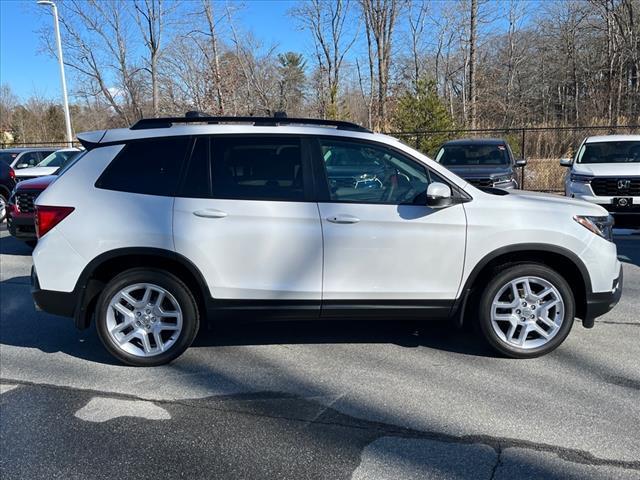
x=438, y=195
x=566, y=162
x=22, y=165
x=521, y=162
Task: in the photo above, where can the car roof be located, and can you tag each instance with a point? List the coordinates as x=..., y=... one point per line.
x=197, y=123
x=613, y=138
x=475, y=141
x=28, y=149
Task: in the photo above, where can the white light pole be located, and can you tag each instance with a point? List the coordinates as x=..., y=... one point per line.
x=65, y=100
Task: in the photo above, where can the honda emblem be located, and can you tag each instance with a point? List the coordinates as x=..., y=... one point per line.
x=624, y=184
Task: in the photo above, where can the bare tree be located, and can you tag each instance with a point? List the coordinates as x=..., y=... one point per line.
x=326, y=20
x=473, y=38
x=380, y=19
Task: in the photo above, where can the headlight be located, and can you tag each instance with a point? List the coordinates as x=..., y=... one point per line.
x=503, y=179
x=601, y=226
x=576, y=177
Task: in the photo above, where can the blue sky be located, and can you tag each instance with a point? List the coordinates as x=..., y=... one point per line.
x=27, y=70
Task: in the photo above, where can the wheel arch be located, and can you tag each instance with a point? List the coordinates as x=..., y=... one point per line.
x=560, y=259
x=105, y=266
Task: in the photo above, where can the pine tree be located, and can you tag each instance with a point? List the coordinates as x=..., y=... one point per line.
x=422, y=110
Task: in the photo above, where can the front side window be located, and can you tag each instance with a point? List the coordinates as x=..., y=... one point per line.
x=148, y=166
x=610, y=152
x=473, y=155
x=257, y=168
x=367, y=173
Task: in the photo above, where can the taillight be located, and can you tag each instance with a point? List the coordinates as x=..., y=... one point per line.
x=12, y=174
x=48, y=217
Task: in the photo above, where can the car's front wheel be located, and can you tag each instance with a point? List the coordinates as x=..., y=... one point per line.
x=146, y=317
x=526, y=310
x=3, y=207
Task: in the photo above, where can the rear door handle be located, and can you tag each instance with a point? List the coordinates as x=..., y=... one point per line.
x=210, y=213
x=343, y=219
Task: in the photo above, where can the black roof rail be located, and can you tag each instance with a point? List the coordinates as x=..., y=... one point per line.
x=199, y=117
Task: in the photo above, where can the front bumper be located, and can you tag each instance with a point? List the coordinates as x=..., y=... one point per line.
x=602, y=302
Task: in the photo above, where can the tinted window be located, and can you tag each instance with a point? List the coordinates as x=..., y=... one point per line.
x=610, y=152
x=197, y=180
x=8, y=157
x=257, y=168
x=147, y=166
x=367, y=173
x=473, y=155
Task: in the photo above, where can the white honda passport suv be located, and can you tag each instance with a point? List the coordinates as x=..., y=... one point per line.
x=158, y=227
x=606, y=171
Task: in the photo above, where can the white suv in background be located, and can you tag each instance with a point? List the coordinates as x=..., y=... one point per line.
x=173, y=221
x=606, y=171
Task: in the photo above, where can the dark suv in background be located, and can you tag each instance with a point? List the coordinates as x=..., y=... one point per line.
x=483, y=162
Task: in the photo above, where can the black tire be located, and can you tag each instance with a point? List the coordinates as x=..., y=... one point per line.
x=500, y=279
x=5, y=199
x=169, y=282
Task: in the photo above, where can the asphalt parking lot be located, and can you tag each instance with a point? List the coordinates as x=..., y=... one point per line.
x=334, y=400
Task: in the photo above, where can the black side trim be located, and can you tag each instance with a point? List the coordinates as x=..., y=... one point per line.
x=600, y=303
x=87, y=289
x=57, y=303
x=388, y=309
x=531, y=247
x=263, y=310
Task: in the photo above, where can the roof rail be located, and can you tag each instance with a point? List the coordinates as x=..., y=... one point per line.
x=199, y=117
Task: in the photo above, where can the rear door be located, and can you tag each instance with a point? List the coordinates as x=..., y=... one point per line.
x=382, y=245
x=246, y=218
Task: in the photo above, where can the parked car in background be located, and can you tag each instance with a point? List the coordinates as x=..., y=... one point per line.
x=19, y=158
x=606, y=171
x=483, y=162
x=7, y=183
x=49, y=165
x=169, y=223
x=21, y=208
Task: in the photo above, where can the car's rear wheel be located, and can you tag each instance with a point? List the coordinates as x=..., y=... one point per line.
x=526, y=310
x=146, y=317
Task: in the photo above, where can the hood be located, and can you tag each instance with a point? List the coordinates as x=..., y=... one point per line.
x=552, y=201
x=36, y=171
x=474, y=171
x=39, y=183
x=607, y=169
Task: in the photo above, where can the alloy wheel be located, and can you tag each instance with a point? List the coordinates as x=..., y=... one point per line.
x=144, y=320
x=527, y=312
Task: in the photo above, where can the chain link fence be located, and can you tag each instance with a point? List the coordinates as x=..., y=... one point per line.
x=542, y=147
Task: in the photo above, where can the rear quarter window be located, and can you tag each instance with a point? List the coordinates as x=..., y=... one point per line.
x=149, y=167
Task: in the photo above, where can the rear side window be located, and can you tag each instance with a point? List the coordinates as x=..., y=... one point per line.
x=257, y=168
x=245, y=168
x=150, y=166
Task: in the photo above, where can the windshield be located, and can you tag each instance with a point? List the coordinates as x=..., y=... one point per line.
x=610, y=152
x=8, y=157
x=57, y=159
x=473, y=155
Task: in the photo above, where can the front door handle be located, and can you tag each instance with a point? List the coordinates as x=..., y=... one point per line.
x=210, y=213
x=343, y=219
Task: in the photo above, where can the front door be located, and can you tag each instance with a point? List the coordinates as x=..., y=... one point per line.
x=382, y=245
